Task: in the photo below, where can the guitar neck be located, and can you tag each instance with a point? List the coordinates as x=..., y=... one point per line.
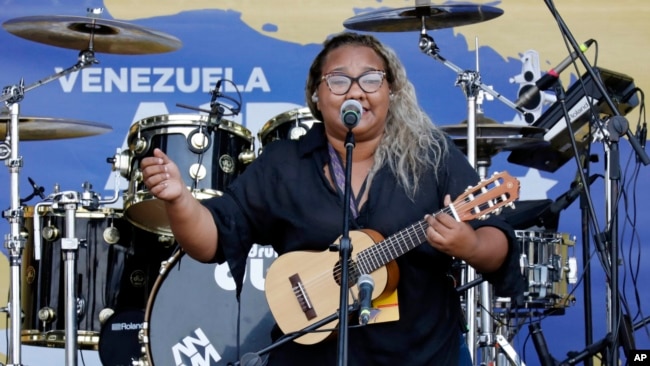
x=475, y=203
x=396, y=245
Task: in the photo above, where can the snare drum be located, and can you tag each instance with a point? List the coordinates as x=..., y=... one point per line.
x=545, y=264
x=209, y=155
x=114, y=265
x=192, y=314
x=289, y=125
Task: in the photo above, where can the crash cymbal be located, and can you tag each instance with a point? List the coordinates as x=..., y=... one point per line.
x=110, y=36
x=410, y=18
x=44, y=128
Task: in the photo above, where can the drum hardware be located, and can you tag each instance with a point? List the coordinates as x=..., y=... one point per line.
x=77, y=33
x=100, y=35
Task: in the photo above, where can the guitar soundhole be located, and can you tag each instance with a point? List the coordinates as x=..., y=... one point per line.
x=353, y=274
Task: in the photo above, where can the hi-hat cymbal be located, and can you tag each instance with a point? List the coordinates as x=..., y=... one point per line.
x=44, y=128
x=410, y=18
x=110, y=36
x=492, y=137
x=489, y=129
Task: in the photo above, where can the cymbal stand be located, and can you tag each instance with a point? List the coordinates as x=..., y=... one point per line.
x=473, y=88
x=14, y=241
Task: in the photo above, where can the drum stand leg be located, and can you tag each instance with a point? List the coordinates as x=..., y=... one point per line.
x=69, y=246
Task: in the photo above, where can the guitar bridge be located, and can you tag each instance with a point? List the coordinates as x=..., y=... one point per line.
x=302, y=297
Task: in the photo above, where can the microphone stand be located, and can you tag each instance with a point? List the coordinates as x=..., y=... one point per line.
x=586, y=249
x=345, y=250
x=618, y=125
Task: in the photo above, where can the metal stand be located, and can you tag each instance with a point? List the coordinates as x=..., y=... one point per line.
x=617, y=127
x=14, y=241
x=473, y=89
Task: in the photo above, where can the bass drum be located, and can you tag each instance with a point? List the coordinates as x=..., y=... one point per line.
x=209, y=155
x=289, y=125
x=116, y=267
x=192, y=314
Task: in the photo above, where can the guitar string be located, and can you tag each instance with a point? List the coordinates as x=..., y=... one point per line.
x=392, y=242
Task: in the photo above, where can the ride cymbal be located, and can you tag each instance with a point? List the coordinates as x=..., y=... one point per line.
x=412, y=18
x=109, y=36
x=44, y=128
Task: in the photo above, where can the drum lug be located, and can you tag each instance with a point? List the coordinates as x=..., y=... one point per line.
x=199, y=142
x=50, y=233
x=197, y=171
x=111, y=235
x=246, y=156
x=140, y=146
x=46, y=314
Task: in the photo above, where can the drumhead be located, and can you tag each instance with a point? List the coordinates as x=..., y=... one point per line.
x=193, y=311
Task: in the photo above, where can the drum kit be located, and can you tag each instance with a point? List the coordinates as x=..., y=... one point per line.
x=123, y=279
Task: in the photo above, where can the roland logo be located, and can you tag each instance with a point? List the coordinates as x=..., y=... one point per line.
x=126, y=326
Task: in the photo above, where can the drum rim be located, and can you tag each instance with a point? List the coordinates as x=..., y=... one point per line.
x=282, y=118
x=133, y=199
x=167, y=120
x=165, y=268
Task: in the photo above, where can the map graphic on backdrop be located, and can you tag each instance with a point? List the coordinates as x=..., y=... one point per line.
x=264, y=50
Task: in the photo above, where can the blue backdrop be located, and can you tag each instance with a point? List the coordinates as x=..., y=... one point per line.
x=270, y=73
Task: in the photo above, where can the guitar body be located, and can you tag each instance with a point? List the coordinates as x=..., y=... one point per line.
x=302, y=287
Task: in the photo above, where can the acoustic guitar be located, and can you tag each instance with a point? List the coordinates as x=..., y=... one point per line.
x=303, y=287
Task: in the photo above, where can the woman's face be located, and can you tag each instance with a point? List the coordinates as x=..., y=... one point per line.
x=354, y=61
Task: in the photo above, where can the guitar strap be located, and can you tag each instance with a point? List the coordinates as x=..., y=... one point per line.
x=336, y=171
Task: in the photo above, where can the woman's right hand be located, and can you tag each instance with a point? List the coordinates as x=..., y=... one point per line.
x=161, y=176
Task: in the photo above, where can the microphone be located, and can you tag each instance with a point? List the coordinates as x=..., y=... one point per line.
x=351, y=111
x=551, y=76
x=366, y=285
x=569, y=196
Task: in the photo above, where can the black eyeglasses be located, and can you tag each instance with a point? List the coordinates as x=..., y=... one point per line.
x=340, y=84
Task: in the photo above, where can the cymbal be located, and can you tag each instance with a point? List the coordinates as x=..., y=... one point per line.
x=410, y=18
x=110, y=36
x=490, y=146
x=44, y=128
x=492, y=137
x=492, y=130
